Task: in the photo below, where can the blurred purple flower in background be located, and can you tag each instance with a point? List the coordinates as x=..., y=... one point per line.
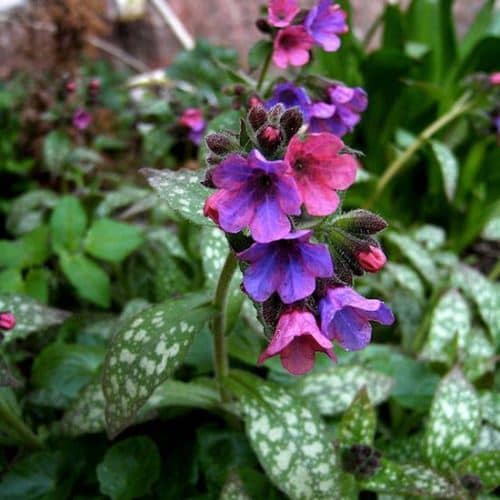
x=81, y=119
x=324, y=23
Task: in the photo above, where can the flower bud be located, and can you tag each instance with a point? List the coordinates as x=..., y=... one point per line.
x=269, y=139
x=254, y=100
x=207, y=181
x=361, y=460
x=220, y=144
x=70, y=86
x=263, y=26
x=7, y=321
x=495, y=79
x=291, y=121
x=257, y=117
x=94, y=86
x=360, y=222
x=373, y=260
x=275, y=113
x=471, y=483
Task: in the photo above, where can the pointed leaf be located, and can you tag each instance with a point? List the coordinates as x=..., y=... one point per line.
x=359, y=422
x=182, y=191
x=144, y=352
x=448, y=164
x=289, y=439
x=454, y=421
x=409, y=479
x=485, y=465
x=451, y=319
x=68, y=223
x=485, y=295
x=407, y=278
x=490, y=407
x=488, y=440
x=30, y=316
x=333, y=390
x=478, y=355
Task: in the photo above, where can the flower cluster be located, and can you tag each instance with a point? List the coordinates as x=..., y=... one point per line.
x=337, y=109
x=269, y=195
x=295, y=31
x=74, y=93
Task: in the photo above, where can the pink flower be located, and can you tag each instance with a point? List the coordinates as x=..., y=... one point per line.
x=291, y=46
x=373, y=260
x=319, y=170
x=192, y=119
x=282, y=12
x=210, y=209
x=7, y=321
x=296, y=340
x=81, y=119
x=495, y=78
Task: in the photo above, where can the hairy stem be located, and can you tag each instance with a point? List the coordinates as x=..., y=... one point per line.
x=221, y=363
x=462, y=106
x=263, y=71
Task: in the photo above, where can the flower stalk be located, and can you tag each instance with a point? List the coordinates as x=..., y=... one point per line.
x=219, y=325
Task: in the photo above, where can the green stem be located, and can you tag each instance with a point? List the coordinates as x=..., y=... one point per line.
x=21, y=430
x=460, y=107
x=221, y=363
x=263, y=71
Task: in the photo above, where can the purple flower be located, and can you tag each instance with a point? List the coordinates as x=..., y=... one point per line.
x=81, y=119
x=282, y=12
x=255, y=193
x=346, y=316
x=341, y=113
x=324, y=23
x=289, y=266
x=290, y=96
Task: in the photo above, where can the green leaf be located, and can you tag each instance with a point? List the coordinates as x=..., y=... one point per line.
x=448, y=164
x=409, y=479
x=111, y=240
x=182, y=191
x=39, y=476
x=450, y=320
x=129, y=468
x=27, y=211
x=63, y=369
x=454, y=421
x=485, y=465
x=491, y=230
x=122, y=197
x=488, y=440
x=407, y=278
x=416, y=254
x=490, y=408
x=56, y=151
x=30, y=250
x=334, y=389
x=478, y=356
x=483, y=292
x=36, y=284
x=144, y=352
x=11, y=281
x=429, y=236
x=288, y=438
x=359, y=422
x=30, y=316
x=90, y=281
x=234, y=489
x=68, y=223
x=259, y=53
x=214, y=250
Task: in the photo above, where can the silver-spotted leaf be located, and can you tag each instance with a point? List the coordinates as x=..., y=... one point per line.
x=453, y=425
x=450, y=323
x=182, y=191
x=407, y=278
x=146, y=351
x=485, y=465
x=484, y=294
x=30, y=315
x=488, y=439
x=490, y=407
x=359, y=422
x=334, y=389
x=234, y=489
x=478, y=356
x=409, y=480
x=448, y=164
x=289, y=439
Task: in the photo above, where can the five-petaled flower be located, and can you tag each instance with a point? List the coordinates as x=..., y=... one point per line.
x=324, y=23
x=319, y=170
x=288, y=266
x=291, y=47
x=282, y=12
x=346, y=316
x=296, y=339
x=290, y=96
x=255, y=193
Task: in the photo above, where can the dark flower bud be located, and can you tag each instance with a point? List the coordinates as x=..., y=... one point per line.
x=94, y=86
x=70, y=86
x=257, y=117
x=472, y=484
x=291, y=121
x=269, y=139
x=254, y=100
x=220, y=144
x=207, y=181
x=360, y=222
x=263, y=26
x=361, y=460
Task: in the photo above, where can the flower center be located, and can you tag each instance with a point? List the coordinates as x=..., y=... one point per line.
x=265, y=181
